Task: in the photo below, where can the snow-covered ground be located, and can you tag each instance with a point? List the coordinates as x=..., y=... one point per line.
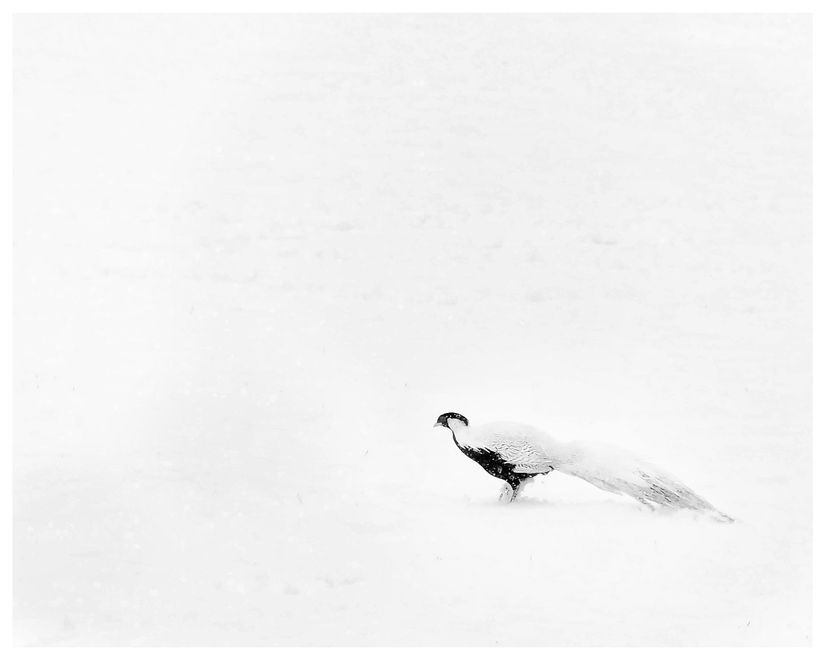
x=255, y=257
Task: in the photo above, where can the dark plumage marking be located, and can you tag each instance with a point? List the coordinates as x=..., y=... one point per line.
x=495, y=465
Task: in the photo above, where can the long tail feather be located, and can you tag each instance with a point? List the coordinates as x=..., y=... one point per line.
x=623, y=473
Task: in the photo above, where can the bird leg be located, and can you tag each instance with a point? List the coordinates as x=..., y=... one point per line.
x=520, y=486
x=507, y=493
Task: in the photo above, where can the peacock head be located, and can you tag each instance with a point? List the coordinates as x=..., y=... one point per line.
x=443, y=420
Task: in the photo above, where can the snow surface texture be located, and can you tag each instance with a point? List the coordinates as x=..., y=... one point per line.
x=255, y=257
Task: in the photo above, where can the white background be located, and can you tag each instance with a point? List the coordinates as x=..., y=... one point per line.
x=255, y=257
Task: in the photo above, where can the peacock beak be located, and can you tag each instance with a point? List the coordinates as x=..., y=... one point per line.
x=436, y=424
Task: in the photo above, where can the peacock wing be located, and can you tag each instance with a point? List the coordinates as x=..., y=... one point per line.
x=525, y=457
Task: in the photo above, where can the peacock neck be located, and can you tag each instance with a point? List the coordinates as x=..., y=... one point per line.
x=458, y=429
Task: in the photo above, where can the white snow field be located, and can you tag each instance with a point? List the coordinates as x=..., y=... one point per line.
x=257, y=256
